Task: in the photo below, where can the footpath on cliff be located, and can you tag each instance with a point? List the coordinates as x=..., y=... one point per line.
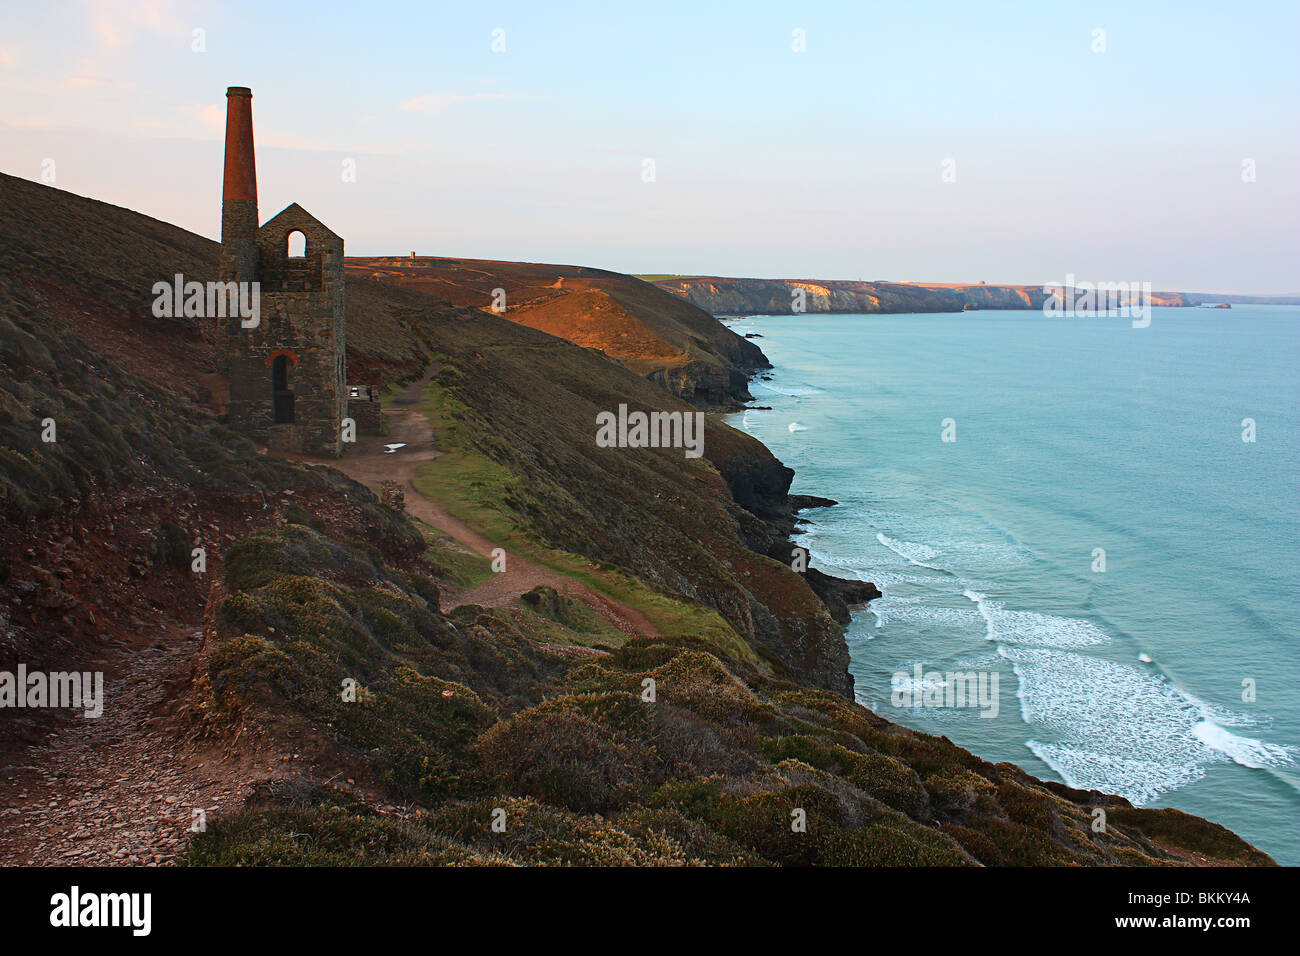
x=399, y=455
x=124, y=788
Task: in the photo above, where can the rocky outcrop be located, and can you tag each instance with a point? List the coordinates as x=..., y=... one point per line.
x=840, y=595
x=760, y=483
x=803, y=502
x=707, y=384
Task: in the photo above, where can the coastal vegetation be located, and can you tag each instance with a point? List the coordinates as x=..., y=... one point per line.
x=390, y=725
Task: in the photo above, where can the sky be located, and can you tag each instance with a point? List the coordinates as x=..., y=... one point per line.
x=912, y=141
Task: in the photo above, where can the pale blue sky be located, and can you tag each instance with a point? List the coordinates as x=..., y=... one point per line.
x=1119, y=165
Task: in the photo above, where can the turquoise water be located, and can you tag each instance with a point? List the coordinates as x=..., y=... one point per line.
x=1131, y=676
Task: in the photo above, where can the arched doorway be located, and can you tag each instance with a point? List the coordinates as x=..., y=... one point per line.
x=281, y=393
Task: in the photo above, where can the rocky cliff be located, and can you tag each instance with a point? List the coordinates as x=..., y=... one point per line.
x=342, y=683
x=727, y=296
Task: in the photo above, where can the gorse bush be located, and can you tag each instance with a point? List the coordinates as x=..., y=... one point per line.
x=515, y=752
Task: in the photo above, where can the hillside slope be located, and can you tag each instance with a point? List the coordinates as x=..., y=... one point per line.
x=223, y=684
x=659, y=336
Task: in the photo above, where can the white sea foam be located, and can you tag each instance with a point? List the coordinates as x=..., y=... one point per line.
x=911, y=551
x=1246, y=751
x=793, y=391
x=1115, y=727
x=922, y=610
x=1222, y=716
x=884, y=577
x=987, y=662
x=1120, y=729
x=798, y=427
x=1144, y=657
x=974, y=548
x=914, y=688
x=830, y=563
x=1033, y=629
x=1141, y=781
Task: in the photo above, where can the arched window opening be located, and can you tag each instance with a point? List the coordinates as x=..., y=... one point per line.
x=281, y=394
x=297, y=245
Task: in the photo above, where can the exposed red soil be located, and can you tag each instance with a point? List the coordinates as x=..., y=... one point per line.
x=581, y=305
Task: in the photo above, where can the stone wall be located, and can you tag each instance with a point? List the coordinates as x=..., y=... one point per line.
x=367, y=414
x=303, y=323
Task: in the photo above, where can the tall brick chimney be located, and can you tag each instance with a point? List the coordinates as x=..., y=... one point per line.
x=239, y=195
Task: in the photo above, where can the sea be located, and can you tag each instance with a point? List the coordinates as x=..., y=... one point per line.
x=1104, y=517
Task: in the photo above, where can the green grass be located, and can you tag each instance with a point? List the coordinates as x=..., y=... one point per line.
x=553, y=617
x=456, y=564
x=472, y=488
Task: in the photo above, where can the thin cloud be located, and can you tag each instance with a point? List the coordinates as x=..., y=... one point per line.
x=82, y=81
x=434, y=103
x=207, y=121
x=117, y=22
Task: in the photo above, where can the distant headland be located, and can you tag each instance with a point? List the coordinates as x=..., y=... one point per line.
x=737, y=296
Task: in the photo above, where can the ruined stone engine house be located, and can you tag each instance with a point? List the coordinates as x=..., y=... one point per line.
x=288, y=374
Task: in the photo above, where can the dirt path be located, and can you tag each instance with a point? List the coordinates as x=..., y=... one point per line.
x=122, y=788
x=371, y=462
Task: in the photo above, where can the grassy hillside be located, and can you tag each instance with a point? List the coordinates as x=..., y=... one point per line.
x=696, y=745
x=655, y=334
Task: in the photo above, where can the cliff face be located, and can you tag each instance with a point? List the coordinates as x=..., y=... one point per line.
x=530, y=402
x=529, y=398
x=725, y=296
x=463, y=707
x=659, y=336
